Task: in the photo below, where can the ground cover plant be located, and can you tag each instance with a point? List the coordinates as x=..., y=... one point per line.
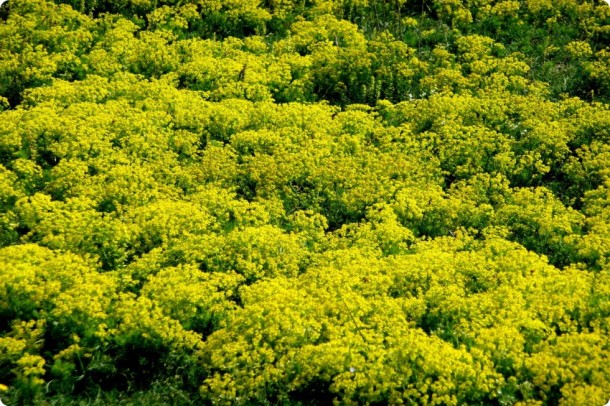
x=288, y=202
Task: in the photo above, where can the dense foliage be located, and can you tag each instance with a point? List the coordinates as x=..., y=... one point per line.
x=305, y=202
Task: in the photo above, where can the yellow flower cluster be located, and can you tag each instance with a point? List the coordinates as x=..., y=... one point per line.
x=286, y=202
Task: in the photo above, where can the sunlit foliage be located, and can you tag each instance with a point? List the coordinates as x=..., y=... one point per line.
x=305, y=202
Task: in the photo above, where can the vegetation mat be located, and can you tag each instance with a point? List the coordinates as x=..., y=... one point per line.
x=305, y=202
